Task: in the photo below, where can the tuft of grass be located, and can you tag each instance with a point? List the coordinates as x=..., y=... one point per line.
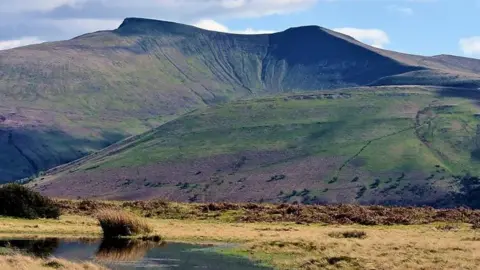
x=349, y=234
x=117, y=224
x=448, y=227
x=53, y=264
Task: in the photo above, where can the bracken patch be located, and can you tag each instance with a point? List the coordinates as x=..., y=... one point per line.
x=300, y=214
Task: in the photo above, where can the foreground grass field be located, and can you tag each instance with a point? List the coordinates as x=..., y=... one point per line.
x=288, y=245
x=293, y=246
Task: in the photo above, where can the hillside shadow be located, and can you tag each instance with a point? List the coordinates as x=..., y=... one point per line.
x=468, y=92
x=25, y=152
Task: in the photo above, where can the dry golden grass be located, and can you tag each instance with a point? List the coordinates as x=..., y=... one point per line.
x=121, y=223
x=293, y=246
x=311, y=247
x=66, y=226
x=21, y=262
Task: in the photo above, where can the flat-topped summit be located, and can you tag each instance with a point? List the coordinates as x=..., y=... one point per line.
x=135, y=25
x=146, y=26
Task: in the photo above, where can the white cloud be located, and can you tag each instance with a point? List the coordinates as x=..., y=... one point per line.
x=375, y=37
x=9, y=44
x=212, y=25
x=470, y=46
x=82, y=26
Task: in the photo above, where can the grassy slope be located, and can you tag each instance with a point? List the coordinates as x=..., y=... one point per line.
x=381, y=145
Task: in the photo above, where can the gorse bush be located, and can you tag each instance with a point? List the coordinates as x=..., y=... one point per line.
x=121, y=223
x=19, y=201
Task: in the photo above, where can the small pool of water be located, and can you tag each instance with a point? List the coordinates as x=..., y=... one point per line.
x=128, y=254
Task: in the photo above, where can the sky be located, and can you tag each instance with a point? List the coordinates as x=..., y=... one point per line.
x=426, y=27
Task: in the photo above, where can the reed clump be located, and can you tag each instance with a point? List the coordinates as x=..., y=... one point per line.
x=116, y=224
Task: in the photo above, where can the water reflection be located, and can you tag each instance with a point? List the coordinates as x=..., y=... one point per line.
x=42, y=248
x=124, y=254
x=112, y=250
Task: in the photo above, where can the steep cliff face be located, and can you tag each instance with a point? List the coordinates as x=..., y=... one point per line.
x=303, y=58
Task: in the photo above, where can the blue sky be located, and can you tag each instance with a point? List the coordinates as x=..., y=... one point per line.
x=426, y=27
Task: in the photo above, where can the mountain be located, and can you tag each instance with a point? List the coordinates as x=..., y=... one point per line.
x=65, y=100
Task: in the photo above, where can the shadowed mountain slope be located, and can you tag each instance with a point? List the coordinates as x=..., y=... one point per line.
x=63, y=100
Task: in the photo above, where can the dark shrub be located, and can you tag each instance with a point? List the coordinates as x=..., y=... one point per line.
x=349, y=234
x=19, y=201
